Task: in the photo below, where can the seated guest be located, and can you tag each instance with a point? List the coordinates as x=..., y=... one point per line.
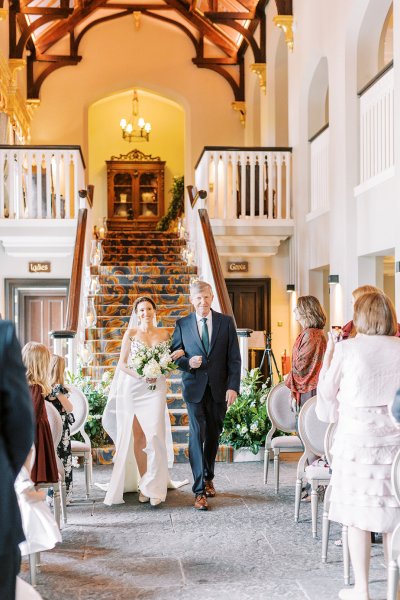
x=16, y=437
x=348, y=330
x=356, y=387
x=36, y=359
x=308, y=350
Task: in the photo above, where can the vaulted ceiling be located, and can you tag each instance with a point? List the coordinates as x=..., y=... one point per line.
x=220, y=31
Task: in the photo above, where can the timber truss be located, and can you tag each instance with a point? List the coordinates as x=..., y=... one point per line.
x=49, y=32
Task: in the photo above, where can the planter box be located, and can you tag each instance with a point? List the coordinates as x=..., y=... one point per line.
x=245, y=455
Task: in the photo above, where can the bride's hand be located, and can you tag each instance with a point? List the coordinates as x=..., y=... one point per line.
x=177, y=354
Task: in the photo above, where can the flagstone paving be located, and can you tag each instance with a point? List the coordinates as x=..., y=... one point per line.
x=246, y=547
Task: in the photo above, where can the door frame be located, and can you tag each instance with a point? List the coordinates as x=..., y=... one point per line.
x=17, y=289
x=265, y=282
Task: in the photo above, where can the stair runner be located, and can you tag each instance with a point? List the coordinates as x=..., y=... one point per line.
x=135, y=264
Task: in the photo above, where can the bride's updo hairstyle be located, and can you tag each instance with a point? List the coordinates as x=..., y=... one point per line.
x=143, y=299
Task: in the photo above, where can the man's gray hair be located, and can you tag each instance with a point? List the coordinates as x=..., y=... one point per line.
x=199, y=286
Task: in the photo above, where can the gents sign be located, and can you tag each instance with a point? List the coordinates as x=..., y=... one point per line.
x=235, y=267
x=39, y=267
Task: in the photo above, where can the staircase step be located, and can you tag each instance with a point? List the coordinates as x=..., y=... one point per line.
x=180, y=434
x=146, y=258
x=96, y=373
x=175, y=310
x=144, y=288
x=142, y=243
x=129, y=299
x=115, y=333
x=147, y=279
x=154, y=269
x=142, y=235
x=133, y=250
x=179, y=417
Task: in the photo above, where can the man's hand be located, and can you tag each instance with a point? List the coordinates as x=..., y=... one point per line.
x=195, y=362
x=231, y=396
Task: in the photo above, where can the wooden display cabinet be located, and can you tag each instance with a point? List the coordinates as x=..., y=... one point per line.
x=135, y=190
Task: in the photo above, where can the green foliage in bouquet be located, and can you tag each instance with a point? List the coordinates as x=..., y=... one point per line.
x=97, y=395
x=176, y=207
x=246, y=422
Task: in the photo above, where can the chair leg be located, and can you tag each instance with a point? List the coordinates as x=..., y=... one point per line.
x=276, y=469
x=297, y=499
x=266, y=464
x=32, y=569
x=314, y=508
x=63, y=497
x=325, y=525
x=86, y=467
x=393, y=580
x=346, y=555
x=57, y=503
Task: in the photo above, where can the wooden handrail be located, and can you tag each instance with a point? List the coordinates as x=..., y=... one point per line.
x=242, y=149
x=74, y=293
x=220, y=285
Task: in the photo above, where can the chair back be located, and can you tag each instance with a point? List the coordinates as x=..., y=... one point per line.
x=55, y=422
x=396, y=476
x=311, y=429
x=81, y=408
x=328, y=442
x=279, y=408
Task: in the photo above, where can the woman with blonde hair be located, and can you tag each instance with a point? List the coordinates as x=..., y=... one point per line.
x=36, y=358
x=308, y=350
x=356, y=388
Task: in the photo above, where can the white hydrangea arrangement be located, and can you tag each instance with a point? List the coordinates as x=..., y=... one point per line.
x=150, y=363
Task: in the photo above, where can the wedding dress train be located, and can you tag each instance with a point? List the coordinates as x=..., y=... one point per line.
x=132, y=398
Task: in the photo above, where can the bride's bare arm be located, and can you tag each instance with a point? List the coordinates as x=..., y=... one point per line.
x=124, y=355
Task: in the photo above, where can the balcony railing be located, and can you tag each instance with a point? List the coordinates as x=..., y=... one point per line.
x=40, y=182
x=377, y=129
x=246, y=183
x=319, y=172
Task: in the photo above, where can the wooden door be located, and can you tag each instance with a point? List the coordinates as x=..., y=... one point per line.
x=40, y=315
x=251, y=304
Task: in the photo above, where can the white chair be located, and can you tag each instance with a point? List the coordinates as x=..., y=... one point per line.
x=281, y=417
x=394, y=552
x=84, y=449
x=56, y=426
x=312, y=433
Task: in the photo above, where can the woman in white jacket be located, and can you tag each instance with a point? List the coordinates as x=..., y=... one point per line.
x=357, y=384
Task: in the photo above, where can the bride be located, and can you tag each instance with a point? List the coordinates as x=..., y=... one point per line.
x=137, y=418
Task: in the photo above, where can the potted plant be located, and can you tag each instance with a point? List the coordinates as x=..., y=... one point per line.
x=246, y=422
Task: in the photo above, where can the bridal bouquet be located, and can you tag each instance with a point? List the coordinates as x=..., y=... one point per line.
x=150, y=363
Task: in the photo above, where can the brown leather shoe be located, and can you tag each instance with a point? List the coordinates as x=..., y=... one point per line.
x=209, y=489
x=200, y=502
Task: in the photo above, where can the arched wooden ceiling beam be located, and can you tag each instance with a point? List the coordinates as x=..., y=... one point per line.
x=35, y=85
x=75, y=43
x=17, y=48
x=259, y=53
x=238, y=89
x=187, y=31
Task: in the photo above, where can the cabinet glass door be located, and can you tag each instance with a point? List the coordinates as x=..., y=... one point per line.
x=122, y=194
x=148, y=194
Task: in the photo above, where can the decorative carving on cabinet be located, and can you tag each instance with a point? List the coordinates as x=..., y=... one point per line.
x=136, y=155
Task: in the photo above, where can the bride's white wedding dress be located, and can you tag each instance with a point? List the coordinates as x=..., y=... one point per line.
x=132, y=397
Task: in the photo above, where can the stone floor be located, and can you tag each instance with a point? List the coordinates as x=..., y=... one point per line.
x=246, y=547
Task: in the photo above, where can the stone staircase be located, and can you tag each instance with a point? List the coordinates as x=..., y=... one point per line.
x=135, y=264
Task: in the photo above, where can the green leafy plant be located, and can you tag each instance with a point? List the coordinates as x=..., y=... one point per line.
x=97, y=395
x=176, y=206
x=246, y=422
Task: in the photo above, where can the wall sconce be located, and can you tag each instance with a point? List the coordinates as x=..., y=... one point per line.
x=290, y=288
x=333, y=279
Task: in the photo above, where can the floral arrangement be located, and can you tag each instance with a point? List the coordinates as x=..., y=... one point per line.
x=150, y=363
x=97, y=395
x=246, y=422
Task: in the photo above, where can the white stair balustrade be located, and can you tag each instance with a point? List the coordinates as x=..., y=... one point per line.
x=40, y=182
x=377, y=131
x=241, y=183
x=319, y=173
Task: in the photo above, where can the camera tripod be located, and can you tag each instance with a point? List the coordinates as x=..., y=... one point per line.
x=269, y=355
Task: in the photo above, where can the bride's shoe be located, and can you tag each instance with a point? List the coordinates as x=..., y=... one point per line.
x=155, y=501
x=143, y=499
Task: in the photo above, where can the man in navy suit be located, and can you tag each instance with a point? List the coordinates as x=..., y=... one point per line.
x=16, y=439
x=210, y=381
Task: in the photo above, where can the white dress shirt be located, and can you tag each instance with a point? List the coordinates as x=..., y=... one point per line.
x=209, y=325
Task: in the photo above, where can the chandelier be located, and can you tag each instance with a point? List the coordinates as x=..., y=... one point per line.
x=129, y=133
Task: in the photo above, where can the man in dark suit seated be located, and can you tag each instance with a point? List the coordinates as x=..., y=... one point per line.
x=16, y=439
x=210, y=381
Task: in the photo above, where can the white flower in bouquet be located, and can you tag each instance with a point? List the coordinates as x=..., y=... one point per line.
x=152, y=369
x=165, y=360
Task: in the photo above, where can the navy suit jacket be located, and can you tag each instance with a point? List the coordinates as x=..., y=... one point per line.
x=220, y=368
x=16, y=433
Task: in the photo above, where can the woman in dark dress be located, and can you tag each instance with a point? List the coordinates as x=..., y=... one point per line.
x=36, y=358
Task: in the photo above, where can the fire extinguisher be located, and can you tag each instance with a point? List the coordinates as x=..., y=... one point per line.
x=286, y=363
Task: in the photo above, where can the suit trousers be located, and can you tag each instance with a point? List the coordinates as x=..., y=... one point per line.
x=206, y=419
x=10, y=565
